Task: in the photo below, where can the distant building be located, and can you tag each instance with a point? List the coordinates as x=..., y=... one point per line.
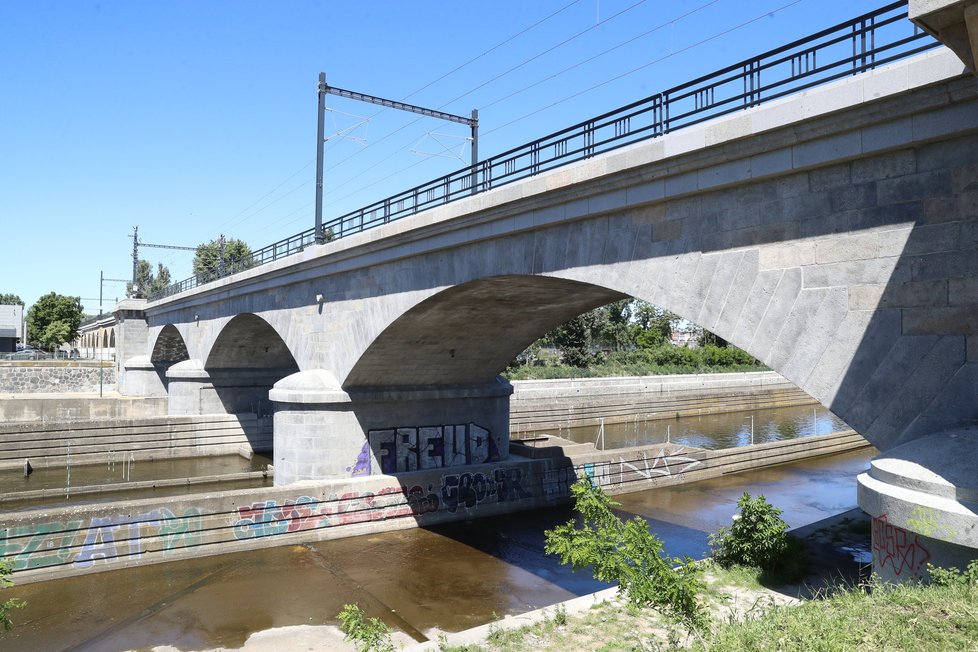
x=11, y=327
x=685, y=337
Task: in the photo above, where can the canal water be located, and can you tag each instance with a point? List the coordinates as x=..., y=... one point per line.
x=710, y=431
x=118, y=478
x=450, y=577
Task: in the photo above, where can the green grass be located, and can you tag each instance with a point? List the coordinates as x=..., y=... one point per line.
x=929, y=619
x=886, y=618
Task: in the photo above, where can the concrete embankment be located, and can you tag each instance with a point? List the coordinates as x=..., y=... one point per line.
x=91, y=441
x=570, y=403
x=77, y=406
x=47, y=543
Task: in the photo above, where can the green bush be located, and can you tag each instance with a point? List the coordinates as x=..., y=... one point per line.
x=12, y=603
x=953, y=576
x=627, y=553
x=368, y=635
x=758, y=538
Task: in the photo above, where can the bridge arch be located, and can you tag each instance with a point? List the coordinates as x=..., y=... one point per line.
x=469, y=333
x=247, y=358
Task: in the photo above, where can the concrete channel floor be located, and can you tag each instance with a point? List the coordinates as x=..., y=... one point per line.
x=450, y=578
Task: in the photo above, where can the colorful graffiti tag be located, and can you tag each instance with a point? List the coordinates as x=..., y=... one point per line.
x=415, y=448
x=102, y=539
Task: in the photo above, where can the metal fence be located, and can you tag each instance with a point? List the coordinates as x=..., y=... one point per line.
x=849, y=48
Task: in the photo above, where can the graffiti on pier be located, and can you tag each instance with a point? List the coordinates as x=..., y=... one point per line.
x=665, y=464
x=424, y=447
x=100, y=539
x=458, y=491
x=557, y=482
x=895, y=546
x=468, y=490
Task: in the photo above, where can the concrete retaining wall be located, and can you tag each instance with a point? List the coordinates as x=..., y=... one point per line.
x=49, y=543
x=59, y=407
x=34, y=378
x=547, y=404
x=47, y=444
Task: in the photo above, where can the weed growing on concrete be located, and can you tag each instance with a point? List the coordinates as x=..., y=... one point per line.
x=11, y=603
x=627, y=553
x=560, y=615
x=953, y=576
x=368, y=635
x=758, y=538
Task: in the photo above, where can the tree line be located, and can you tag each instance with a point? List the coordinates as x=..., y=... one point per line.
x=625, y=337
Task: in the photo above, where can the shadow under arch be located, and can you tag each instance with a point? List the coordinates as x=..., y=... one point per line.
x=168, y=350
x=469, y=333
x=247, y=358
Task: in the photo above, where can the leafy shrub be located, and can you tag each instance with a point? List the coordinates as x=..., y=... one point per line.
x=627, y=553
x=953, y=576
x=11, y=603
x=368, y=635
x=758, y=538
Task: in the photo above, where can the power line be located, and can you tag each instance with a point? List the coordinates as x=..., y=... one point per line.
x=600, y=54
x=547, y=51
x=644, y=66
x=415, y=92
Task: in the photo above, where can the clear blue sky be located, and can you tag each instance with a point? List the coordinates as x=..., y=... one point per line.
x=192, y=119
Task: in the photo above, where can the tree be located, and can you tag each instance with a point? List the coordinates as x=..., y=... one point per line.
x=654, y=324
x=147, y=282
x=54, y=320
x=627, y=553
x=616, y=326
x=574, y=339
x=10, y=300
x=208, y=259
x=708, y=338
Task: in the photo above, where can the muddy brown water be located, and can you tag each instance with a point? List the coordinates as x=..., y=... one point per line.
x=452, y=576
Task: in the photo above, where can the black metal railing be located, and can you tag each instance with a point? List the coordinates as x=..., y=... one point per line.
x=849, y=48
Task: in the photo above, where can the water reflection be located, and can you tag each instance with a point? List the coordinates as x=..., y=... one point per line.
x=710, y=431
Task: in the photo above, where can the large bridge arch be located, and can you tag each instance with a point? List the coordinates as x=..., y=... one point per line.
x=467, y=334
x=247, y=357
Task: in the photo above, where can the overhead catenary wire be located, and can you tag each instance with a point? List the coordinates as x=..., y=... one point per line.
x=671, y=54
x=501, y=75
x=484, y=53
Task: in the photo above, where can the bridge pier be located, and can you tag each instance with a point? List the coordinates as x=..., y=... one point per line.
x=184, y=383
x=923, y=497
x=325, y=432
x=141, y=378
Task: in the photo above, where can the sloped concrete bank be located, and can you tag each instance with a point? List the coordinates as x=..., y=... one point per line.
x=569, y=403
x=77, y=406
x=48, y=543
x=91, y=441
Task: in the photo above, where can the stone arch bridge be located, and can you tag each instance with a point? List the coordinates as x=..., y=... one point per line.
x=833, y=235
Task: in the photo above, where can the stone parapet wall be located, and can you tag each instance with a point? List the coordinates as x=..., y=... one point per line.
x=561, y=404
x=36, y=378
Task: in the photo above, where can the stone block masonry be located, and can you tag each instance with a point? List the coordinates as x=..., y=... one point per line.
x=32, y=378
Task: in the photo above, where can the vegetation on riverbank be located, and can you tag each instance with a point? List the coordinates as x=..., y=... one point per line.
x=661, y=360
x=627, y=338
x=867, y=617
